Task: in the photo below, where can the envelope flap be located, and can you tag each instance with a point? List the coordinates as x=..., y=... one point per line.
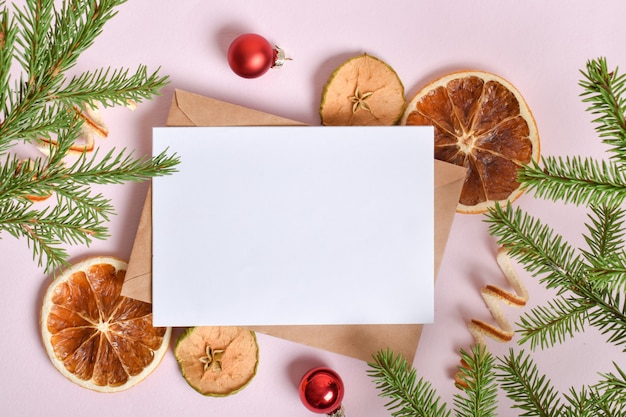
x=194, y=110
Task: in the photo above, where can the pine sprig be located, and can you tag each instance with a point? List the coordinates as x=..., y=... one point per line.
x=560, y=319
x=479, y=398
x=41, y=103
x=78, y=214
x=97, y=86
x=70, y=225
x=575, y=180
x=605, y=92
x=534, y=244
x=606, y=256
x=408, y=396
x=531, y=391
x=556, y=263
x=613, y=386
x=606, y=233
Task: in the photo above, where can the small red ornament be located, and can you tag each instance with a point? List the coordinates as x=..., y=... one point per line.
x=251, y=55
x=321, y=391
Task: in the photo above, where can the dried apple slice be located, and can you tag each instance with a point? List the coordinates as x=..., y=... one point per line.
x=363, y=91
x=217, y=360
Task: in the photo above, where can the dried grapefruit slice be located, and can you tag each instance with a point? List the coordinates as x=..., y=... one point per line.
x=483, y=123
x=95, y=337
x=363, y=91
x=217, y=360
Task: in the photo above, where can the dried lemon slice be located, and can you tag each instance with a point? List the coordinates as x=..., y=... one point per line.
x=363, y=91
x=483, y=123
x=217, y=360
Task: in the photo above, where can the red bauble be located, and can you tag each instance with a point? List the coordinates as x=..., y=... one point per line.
x=321, y=390
x=251, y=55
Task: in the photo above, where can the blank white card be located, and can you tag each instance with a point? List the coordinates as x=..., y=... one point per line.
x=294, y=225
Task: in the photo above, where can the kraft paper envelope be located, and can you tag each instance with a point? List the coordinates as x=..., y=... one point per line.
x=357, y=341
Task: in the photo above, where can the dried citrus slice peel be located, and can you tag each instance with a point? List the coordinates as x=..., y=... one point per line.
x=363, y=91
x=95, y=337
x=483, y=123
x=28, y=166
x=217, y=360
x=93, y=125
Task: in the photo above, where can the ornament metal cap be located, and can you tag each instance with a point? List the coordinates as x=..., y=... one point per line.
x=279, y=57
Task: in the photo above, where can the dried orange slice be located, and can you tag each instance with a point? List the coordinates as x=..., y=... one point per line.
x=483, y=123
x=363, y=91
x=95, y=337
x=217, y=360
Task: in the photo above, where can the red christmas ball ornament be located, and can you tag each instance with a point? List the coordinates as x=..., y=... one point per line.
x=251, y=55
x=321, y=391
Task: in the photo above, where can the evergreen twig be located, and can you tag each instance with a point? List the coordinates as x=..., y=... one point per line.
x=41, y=103
x=531, y=391
x=409, y=397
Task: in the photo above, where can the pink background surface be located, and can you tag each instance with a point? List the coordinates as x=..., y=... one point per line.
x=539, y=46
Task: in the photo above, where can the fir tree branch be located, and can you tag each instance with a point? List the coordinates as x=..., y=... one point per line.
x=479, y=399
x=530, y=391
x=46, y=230
x=78, y=215
x=396, y=380
x=613, y=386
x=8, y=33
x=547, y=255
x=605, y=231
x=606, y=255
x=605, y=92
x=545, y=326
x=575, y=180
x=117, y=167
x=46, y=41
x=536, y=246
x=608, y=314
x=111, y=87
x=587, y=403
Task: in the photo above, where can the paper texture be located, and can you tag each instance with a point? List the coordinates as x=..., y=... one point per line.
x=284, y=225
x=358, y=341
